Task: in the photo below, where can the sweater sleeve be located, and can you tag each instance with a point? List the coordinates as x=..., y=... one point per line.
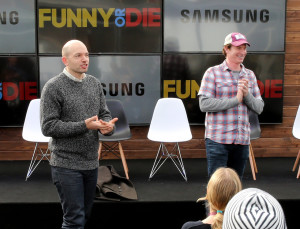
x=215, y=105
x=51, y=123
x=255, y=104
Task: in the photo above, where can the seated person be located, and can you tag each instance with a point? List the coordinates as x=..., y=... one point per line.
x=222, y=186
x=254, y=208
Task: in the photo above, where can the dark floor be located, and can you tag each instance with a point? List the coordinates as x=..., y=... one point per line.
x=167, y=201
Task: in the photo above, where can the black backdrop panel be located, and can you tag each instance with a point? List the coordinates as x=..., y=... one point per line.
x=182, y=74
x=18, y=85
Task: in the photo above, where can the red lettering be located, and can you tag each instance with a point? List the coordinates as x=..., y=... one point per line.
x=30, y=90
x=276, y=86
x=21, y=90
x=145, y=17
x=129, y=12
x=148, y=17
x=267, y=89
x=154, y=19
x=261, y=87
x=10, y=91
x=271, y=89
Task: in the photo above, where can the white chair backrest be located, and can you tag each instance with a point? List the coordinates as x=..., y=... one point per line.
x=169, y=122
x=296, y=126
x=32, y=127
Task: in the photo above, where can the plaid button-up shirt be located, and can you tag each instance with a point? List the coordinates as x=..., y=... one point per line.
x=229, y=126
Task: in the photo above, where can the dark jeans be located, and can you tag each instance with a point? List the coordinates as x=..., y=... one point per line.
x=226, y=155
x=76, y=189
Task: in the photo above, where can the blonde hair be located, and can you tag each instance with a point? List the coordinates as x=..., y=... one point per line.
x=222, y=186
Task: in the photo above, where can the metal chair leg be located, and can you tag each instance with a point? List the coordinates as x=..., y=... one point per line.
x=163, y=154
x=34, y=163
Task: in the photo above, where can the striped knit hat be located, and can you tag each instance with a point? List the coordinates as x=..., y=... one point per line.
x=253, y=208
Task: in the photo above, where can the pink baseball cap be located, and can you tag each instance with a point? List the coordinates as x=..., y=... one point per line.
x=236, y=39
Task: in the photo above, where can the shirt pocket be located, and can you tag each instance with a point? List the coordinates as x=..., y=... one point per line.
x=226, y=88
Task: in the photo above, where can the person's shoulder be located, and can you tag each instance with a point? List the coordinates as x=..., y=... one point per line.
x=249, y=72
x=201, y=226
x=52, y=85
x=219, y=67
x=214, y=67
x=214, y=71
x=196, y=225
x=91, y=78
x=56, y=80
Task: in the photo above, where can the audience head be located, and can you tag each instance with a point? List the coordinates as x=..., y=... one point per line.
x=222, y=186
x=253, y=208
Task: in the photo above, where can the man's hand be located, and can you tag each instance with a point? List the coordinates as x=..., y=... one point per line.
x=92, y=123
x=240, y=95
x=104, y=127
x=242, y=89
x=243, y=86
x=107, y=127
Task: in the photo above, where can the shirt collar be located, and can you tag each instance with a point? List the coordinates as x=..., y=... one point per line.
x=225, y=67
x=68, y=74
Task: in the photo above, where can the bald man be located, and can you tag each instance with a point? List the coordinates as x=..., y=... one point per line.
x=73, y=110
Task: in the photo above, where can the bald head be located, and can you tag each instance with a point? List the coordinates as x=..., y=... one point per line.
x=69, y=46
x=75, y=56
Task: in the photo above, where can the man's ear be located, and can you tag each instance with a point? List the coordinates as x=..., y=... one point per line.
x=64, y=60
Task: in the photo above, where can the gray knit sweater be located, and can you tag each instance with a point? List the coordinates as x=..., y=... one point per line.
x=65, y=104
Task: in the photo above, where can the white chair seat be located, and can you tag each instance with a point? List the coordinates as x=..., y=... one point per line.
x=170, y=136
x=32, y=137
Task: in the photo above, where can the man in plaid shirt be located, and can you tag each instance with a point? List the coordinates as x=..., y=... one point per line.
x=228, y=91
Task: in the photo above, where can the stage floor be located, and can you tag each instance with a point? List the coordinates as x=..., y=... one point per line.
x=274, y=176
x=166, y=191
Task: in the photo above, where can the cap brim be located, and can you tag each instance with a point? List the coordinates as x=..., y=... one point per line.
x=238, y=43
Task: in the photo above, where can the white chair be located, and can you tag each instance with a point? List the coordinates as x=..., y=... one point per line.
x=169, y=124
x=32, y=133
x=296, y=134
